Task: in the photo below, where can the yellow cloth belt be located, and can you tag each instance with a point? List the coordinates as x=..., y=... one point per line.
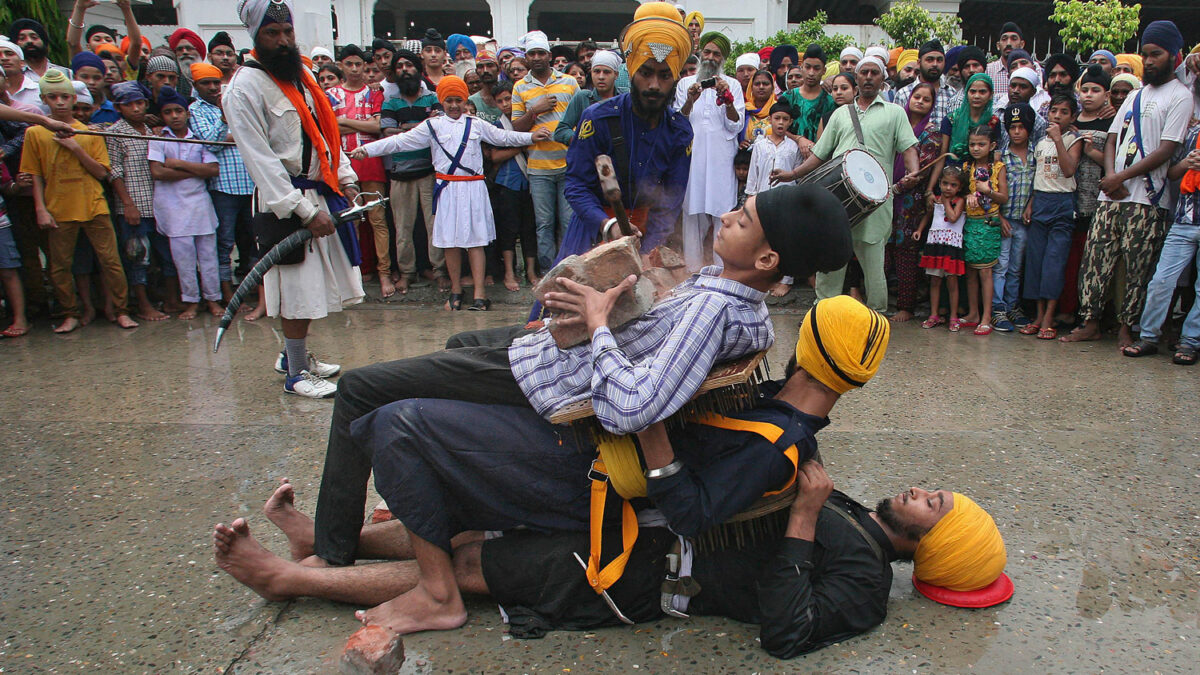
x=621, y=456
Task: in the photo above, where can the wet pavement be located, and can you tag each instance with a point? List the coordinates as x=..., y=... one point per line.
x=123, y=448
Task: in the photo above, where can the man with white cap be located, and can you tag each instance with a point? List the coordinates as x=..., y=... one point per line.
x=22, y=89
x=1023, y=88
x=320, y=57
x=290, y=143
x=849, y=58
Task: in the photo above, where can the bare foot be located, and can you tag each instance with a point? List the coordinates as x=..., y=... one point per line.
x=402, y=285
x=88, y=316
x=259, y=311
x=780, y=290
x=110, y=313
x=172, y=307
x=69, y=324
x=443, y=284
x=902, y=316
x=126, y=321
x=386, y=288
x=149, y=313
x=215, y=308
x=971, y=318
x=415, y=611
x=244, y=559
x=532, y=279
x=189, y=311
x=488, y=280
x=281, y=510
x=1124, y=337
x=1082, y=333
x=510, y=282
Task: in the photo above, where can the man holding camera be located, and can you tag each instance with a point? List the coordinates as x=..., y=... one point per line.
x=716, y=106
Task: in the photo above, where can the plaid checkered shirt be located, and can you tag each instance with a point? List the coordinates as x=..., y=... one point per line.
x=127, y=157
x=650, y=367
x=1020, y=183
x=207, y=123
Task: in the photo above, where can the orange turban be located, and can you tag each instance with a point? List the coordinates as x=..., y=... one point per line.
x=894, y=56
x=452, y=85
x=203, y=71
x=664, y=40
x=963, y=552
x=125, y=44
x=106, y=48
x=663, y=10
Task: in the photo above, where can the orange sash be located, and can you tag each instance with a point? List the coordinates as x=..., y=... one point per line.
x=1191, y=179
x=319, y=130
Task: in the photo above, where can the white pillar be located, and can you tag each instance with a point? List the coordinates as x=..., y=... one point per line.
x=510, y=20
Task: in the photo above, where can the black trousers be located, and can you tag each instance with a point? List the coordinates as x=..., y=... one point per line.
x=475, y=369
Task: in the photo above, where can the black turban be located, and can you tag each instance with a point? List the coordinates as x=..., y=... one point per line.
x=380, y=43
x=807, y=226
x=814, y=51
x=406, y=55
x=1010, y=27
x=1067, y=62
x=28, y=24
x=220, y=39
x=781, y=51
x=971, y=53
x=934, y=45
x=97, y=28
x=433, y=38
x=1094, y=74
x=1019, y=113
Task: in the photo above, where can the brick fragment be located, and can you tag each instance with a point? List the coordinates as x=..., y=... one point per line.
x=372, y=650
x=601, y=268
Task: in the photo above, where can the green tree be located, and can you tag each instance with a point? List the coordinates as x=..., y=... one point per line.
x=805, y=34
x=45, y=11
x=1087, y=25
x=909, y=24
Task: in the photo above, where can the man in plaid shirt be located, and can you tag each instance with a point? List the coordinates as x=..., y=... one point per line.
x=232, y=188
x=933, y=61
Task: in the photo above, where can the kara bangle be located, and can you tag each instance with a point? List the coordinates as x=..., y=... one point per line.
x=669, y=470
x=79, y=26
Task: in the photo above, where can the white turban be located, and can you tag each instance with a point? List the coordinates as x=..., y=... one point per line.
x=82, y=95
x=535, y=39
x=749, y=59
x=873, y=60
x=879, y=52
x=320, y=51
x=851, y=51
x=1028, y=74
x=255, y=13
x=607, y=58
x=5, y=43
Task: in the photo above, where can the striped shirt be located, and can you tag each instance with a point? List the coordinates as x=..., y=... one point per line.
x=545, y=157
x=653, y=365
x=207, y=122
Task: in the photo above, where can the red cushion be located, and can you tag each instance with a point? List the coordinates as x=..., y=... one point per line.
x=994, y=593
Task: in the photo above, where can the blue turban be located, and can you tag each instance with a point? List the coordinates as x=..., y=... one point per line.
x=952, y=56
x=1016, y=54
x=1108, y=56
x=1165, y=34
x=167, y=95
x=86, y=60
x=459, y=40
x=129, y=92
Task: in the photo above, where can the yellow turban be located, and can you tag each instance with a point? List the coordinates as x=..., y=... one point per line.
x=963, y=552
x=832, y=69
x=1133, y=61
x=663, y=10
x=658, y=38
x=687, y=21
x=906, y=56
x=842, y=342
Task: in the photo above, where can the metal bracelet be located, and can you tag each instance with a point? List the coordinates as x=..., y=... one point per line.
x=669, y=470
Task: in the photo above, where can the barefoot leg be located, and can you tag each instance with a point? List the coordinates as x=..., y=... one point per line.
x=1124, y=337
x=281, y=510
x=902, y=316
x=435, y=602
x=68, y=324
x=1090, y=330
x=189, y=311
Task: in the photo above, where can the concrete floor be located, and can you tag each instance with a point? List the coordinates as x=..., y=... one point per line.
x=123, y=448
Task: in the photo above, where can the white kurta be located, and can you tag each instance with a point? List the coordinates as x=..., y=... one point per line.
x=266, y=127
x=464, y=212
x=712, y=187
x=765, y=157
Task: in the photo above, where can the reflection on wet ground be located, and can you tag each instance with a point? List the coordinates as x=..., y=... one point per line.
x=123, y=448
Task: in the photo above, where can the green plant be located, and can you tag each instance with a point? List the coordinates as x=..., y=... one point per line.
x=909, y=24
x=45, y=11
x=804, y=34
x=1087, y=25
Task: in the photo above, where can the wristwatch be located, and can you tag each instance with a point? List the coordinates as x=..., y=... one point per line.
x=669, y=470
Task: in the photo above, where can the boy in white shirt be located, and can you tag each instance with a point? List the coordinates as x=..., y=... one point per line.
x=774, y=150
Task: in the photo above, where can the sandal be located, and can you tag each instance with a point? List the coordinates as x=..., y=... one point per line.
x=983, y=329
x=14, y=332
x=955, y=325
x=1029, y=329
x=1047, y=333
x=1184, y=356
x=455, y=302
x=480, y=305
x=933, y=321
x=1140, y=348
x=968, y=324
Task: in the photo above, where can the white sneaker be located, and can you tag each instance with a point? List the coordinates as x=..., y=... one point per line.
x=314, y=366
x=311, y=386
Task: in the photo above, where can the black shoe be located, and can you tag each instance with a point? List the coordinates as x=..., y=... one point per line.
x=480, y=305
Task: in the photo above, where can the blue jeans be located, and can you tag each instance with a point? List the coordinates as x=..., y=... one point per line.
x=1179, y=251
x=1048, y=244
x=160, y=247
x=233, y=219
x=549, y=203
x=1006, y=275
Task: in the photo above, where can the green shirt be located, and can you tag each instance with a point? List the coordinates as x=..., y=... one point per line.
x=809, y=112
x=886, y=133
x=484, y=111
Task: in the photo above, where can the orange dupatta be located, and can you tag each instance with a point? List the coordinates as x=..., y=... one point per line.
x=319, y=130
x=1191, y=179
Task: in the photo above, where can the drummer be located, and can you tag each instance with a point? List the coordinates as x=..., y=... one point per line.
x=886, y=133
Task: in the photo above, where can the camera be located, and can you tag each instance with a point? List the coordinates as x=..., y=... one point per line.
x=709, y=83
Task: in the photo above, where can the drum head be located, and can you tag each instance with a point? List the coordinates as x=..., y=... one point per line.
x=866, y=175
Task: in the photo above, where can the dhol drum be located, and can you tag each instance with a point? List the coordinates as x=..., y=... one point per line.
x=857, y=180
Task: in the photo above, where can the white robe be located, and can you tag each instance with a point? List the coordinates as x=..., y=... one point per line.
x=712, y=186
x=266, y=127
x=464, y=212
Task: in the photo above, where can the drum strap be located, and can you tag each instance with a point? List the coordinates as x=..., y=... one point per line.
x=858, y=132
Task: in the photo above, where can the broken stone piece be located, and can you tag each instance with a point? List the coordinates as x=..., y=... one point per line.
x=372, y=650
x=601, y=268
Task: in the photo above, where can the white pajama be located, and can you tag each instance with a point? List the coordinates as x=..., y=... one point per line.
x=194, y=252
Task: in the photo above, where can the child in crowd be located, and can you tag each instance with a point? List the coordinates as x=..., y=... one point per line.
x=987, y=191
x=183, y=208
x=1057, y=156
x=942, y=255
x=1019, y=121
x=69, y=197
x=462, y=211
x=10, y=261
x=741, y=172
x=511, y=199
x=330, y=76
x=771, y=151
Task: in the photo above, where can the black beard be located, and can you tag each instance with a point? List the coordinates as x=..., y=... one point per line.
x=283, y=62
x=884, y=510
x=932, y=76
x=34, y=52
x=409, y=85
x=1056, y=89
x=647, y=110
